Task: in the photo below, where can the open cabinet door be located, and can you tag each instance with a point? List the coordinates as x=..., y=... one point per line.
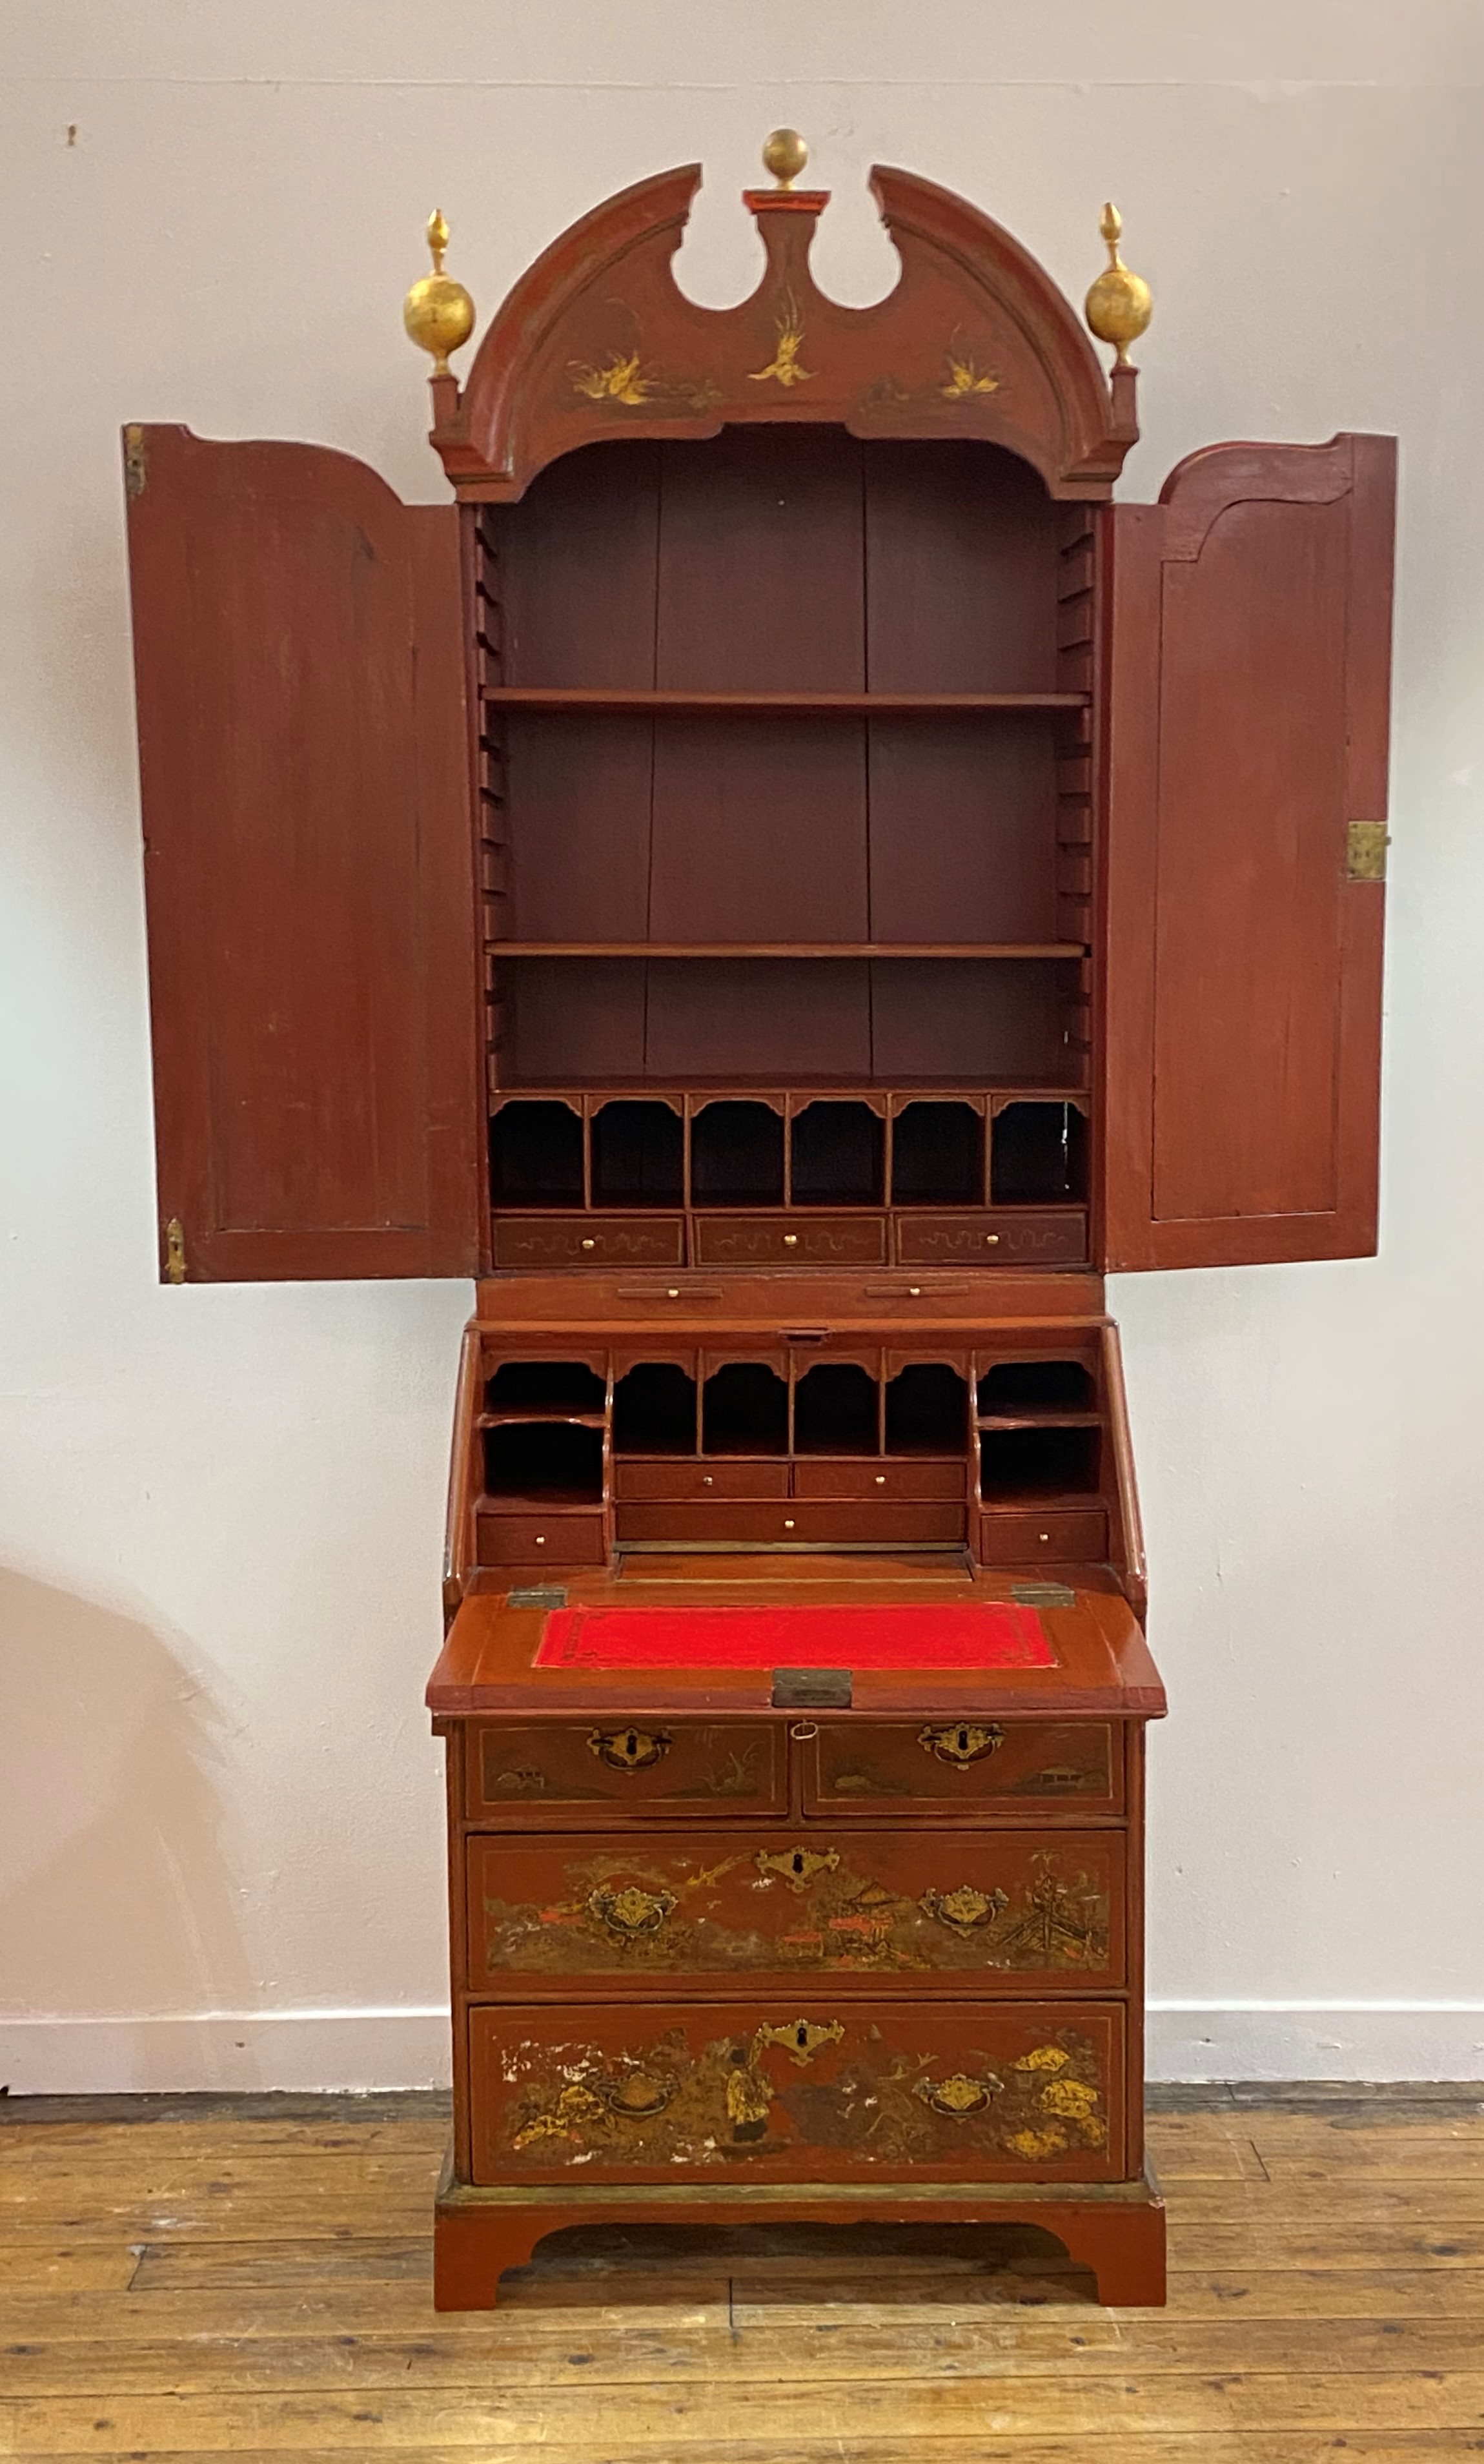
x=304, y=761
x=1247, y=677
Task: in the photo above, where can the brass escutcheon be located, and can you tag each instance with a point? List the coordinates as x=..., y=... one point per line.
x=960, y=2096
x=629, y=1749
x=800, y=2038
x=638, y=2096
x=799, y=1866
x=631, y=1911
x=964, y=1911
x=961, y=1744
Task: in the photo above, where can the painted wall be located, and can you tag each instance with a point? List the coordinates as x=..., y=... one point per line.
x=220, y=1509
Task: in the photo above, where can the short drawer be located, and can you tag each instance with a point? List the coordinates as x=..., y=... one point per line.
x=788, y=1240
x=794, y=2088
x=1008, y=1238
x=541, y=1540
x=793, y=1521
x=867, y=1476
x=1077, y=1536
x=952, y=1911
x=589, y=1239
x=703, y=1482
x=561, y=1771
x=974, y=1765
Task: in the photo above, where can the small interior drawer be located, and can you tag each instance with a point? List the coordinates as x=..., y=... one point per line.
x=794, y=1520
x=703, y=1482
x=873, y=1478
x=1005, y=1238
x=541, y=1540
x=1060, y=1536
x=788, y=1240
x=589, y=1241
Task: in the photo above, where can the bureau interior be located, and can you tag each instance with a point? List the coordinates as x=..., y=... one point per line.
x=785, y=769
x=651, y=1443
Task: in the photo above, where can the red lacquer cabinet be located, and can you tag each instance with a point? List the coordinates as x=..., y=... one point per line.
x=782, y=882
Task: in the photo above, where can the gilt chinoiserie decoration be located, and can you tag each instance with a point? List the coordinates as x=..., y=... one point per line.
x=782, y=882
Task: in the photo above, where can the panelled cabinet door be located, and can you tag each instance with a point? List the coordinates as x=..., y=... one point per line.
x=304, y=760
x=1249, y=620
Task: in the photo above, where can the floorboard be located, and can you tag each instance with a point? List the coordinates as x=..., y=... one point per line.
x=249, y=2277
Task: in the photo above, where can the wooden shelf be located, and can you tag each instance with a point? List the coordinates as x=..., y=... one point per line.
x=604, y=700
x=1060, y=949
x=1048, y=1418
x=544, y=1415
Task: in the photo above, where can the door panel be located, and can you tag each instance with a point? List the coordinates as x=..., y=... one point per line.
x=304, y=760
x=1248, y=676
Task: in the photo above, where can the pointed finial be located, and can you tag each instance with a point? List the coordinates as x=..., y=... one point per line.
x=1119, y=305
x=785, y=155
x=438, y=312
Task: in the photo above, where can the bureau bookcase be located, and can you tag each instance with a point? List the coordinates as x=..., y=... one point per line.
x=783, y=883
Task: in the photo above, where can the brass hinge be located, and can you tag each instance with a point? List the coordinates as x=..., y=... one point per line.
x=134, y=470
x=175, y=1250
x=1365, y=851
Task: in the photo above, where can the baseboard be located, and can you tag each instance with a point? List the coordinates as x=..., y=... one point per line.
x=409, y=2047
x=226, y=2050
x=1315, y=2040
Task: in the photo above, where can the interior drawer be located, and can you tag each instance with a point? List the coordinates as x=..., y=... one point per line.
x=542, y=1539
x=953, y=1911
x=789, y=1240
x=1008, y=1238
x=1062, y=1536
x=589, y=1239
x=703, y=1482
x=554, y=1771
x=981, y=1766
x=794, y=1520
x=791, y=2089
x=872, y=1477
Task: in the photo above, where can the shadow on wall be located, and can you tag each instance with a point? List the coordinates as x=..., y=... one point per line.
x=115, y=1897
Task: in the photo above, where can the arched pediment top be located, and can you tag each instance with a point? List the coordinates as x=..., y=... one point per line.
x=597, y=341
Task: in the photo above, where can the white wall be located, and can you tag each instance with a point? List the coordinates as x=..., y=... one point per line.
x=220, y=1509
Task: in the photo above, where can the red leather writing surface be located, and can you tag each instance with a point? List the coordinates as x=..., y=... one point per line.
x=988, y=1636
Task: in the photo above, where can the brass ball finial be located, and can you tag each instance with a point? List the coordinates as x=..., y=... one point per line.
x=438, y=312
x=1119, y=305
x=784, y=155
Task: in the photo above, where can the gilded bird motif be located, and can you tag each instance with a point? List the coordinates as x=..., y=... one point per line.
x=620, y=380
x=965, y=377
x=784, y=363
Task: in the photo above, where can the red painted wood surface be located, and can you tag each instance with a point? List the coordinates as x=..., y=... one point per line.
x=304, y=767
x=1248, y=670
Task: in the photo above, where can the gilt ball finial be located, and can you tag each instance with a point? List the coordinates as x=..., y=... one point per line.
x=438, y=312
x=784, y=155
x=1119, y=305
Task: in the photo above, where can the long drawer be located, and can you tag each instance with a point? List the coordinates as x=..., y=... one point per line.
x=798, y=2088
x=952, y=1910
x=914, y=1523
x=559, y=1772
x=977, y=1767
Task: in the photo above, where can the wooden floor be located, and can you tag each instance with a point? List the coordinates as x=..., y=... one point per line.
x=191, y=2277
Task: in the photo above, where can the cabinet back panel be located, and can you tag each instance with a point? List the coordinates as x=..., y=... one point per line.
x=961, y=571
x=576, y=574
x=963, y=830
x=759, y=830
x=579, y=796
x=573, y=1023
x=760, y=580
x=758, y=1018
x=970, y=1018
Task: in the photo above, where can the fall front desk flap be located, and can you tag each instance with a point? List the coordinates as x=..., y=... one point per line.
x=986, y=1635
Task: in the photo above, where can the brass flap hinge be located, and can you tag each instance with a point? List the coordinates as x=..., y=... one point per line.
x=1365, y=851
x=175, y=1250
x=136, y=471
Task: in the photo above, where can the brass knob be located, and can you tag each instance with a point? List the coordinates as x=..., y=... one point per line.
x=881, y=1480
x=706, y=1481
x=791, y=1240
x=589, y=1245
x=673, y=1293
x=540, y=1539
x=1043, y=1535
x=788, y=1523
x=914, y=1291
x=992, y=1239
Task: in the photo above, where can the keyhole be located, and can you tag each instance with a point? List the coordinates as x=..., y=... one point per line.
x=799, y=1861
x=631, y=1747
x=963, y=1741
x=802, y=2035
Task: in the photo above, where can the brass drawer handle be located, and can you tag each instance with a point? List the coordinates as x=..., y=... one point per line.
x=589, y=1245
x=800, y=2038
x=640, y=2097
x=964, y=1911
x=799, y=1866
x=791, y=1240
x=629, y=1749
x=631, y=1911
x=961, y=1744
x=959, y=2097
